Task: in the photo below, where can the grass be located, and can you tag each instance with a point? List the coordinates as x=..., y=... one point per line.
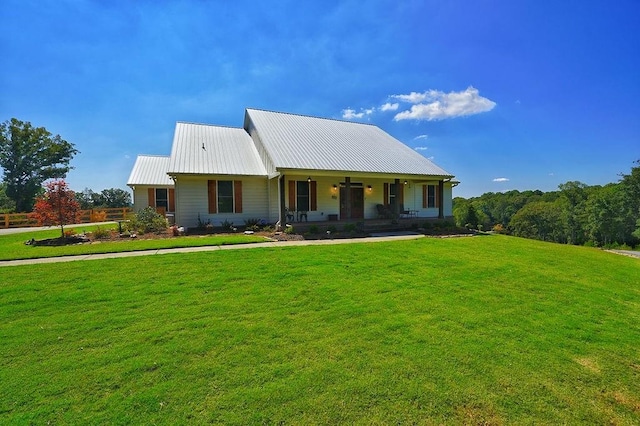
x=485, y=330
x=13, y=247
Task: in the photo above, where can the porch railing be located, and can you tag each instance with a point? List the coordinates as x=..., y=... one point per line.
x=20, y=220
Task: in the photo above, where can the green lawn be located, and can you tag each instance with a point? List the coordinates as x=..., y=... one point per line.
x=12, y=246
x=483, y=330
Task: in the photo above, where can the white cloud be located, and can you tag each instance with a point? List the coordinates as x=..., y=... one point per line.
x=501, y=179
x=350, y=114
x=390, y=107
x=437, y=105
x=413, y=97
x=420, y=137
x=420, y=148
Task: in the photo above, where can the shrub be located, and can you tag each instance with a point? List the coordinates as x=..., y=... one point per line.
x=100, y=233
x=498, y=228
x=349, y=227
x=69, y=233
x=313, y=229
x=148, y=220
x=289, y=230
x=252, y=224
x=98, y=216
x=226, y=225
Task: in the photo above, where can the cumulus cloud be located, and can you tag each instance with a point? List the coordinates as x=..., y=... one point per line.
x=350, y=114
x=420, y=148
x=390, y=107
x=501, y=179
x=436, y=105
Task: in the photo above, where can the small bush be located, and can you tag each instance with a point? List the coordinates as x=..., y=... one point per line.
x=148, y=220
x=252, y=224
x=227, y=225
x=332, y=229
x=289, y=230
x=498, y=228
x=100, y=233
x=98, y=216
x=313, y=229
x=69, y=233
x=203, y=224
x=349, y=227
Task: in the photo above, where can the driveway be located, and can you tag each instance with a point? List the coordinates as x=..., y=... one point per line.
x=627, y=253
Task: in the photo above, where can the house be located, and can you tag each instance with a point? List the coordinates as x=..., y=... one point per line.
x=287, y=167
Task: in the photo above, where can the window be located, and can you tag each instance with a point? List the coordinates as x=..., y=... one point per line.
x=430, y=196
x=162, y=198
x=225, y=196
x=393, y=188
x=302, y=195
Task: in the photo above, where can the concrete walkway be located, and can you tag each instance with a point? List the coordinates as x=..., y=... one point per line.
x=269, y=244
x=7, y=231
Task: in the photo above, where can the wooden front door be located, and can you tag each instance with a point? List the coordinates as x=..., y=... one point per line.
x=357, y=203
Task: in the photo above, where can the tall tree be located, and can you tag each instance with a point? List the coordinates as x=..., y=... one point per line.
x=573, y=196
x=115, y=197
x=605, y=223
x=631, y=189
x=85, y=198
x=540, y=220
x=29, y=156
x=58, y=206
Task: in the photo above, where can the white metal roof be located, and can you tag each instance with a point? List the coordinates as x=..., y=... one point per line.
x=303, y=142
x=150, y=170
x=206, y=149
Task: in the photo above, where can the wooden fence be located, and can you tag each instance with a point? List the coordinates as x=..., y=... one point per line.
x=20, y=220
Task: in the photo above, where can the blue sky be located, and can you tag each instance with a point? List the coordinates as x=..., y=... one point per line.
x=502, y=94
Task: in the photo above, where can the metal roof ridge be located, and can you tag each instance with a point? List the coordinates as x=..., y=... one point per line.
x=310, y=116
x=210, y=125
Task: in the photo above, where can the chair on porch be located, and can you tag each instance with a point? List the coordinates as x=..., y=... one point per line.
x=290, y=214
x=302, y=214
x=404, y=212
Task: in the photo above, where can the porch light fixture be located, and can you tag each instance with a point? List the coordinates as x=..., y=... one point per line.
x=369, y=188
x=335, y=187
x=309, y=179
x=405, y=182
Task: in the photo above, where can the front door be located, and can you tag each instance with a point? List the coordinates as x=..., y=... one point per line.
x=357, y=203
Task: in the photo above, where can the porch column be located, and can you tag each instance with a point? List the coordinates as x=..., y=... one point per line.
x=347, y=198
x=396, y=208
x=281, y=214
x=440, y=199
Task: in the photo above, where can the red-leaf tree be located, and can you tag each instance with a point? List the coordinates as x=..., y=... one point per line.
x=58, y=206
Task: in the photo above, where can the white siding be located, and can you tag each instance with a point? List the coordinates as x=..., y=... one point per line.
x=192, y=199
x=140, y=197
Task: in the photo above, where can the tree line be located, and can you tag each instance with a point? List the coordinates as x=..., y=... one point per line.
x=576, y=213
x=29, y=156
